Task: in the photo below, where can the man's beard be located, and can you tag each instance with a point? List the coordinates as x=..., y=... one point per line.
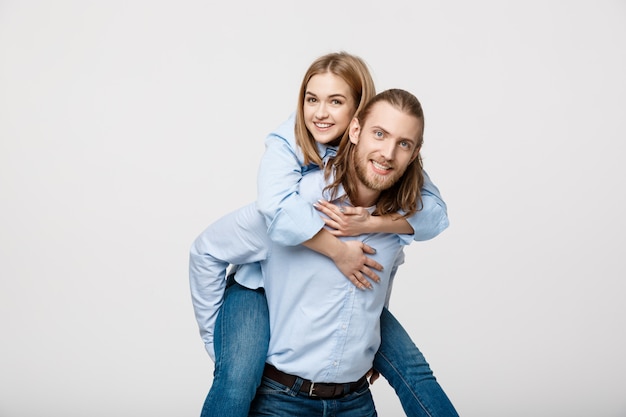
x=369, y=178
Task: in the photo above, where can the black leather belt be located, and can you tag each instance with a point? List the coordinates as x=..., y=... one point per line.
x=314, y=389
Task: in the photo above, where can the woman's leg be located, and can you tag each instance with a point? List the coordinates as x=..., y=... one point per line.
x=241, y=340
x=406, y=369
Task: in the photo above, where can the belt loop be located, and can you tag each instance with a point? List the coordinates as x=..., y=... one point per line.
x=295, y=388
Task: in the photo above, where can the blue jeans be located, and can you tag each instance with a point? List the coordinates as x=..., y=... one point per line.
x=242, y=334
x=241, y=342
x=406, y=370
x=274, y=399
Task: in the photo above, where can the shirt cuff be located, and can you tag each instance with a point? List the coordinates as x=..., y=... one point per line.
x=292, y=225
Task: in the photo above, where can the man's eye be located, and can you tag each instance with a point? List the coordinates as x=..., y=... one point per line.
x=405, y=144
x=378, y=134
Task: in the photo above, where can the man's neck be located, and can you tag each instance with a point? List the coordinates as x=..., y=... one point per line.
x=366, y=197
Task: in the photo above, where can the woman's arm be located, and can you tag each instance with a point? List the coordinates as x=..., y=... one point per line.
x=425, y=224
x=353, y=221
x=348, y=256
x=293, y=221
x=432, y=219
x=289, y=219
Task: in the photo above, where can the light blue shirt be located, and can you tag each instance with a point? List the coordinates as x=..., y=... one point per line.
x=291, y=220
x=322, y=327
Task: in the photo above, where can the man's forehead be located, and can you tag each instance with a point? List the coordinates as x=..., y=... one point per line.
x=385, y=116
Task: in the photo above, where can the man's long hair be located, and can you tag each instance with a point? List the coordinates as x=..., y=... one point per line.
x=405, y=194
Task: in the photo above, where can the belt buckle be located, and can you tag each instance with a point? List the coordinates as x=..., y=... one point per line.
x=311, y=393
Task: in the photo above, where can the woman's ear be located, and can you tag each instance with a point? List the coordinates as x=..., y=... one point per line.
x=355, y=130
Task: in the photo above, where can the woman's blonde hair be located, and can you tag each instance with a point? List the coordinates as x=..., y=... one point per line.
x=354, y=71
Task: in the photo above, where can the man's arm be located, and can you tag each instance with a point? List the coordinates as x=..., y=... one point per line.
x=237, y=238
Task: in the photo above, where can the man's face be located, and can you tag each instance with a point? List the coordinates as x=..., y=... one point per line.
x=386, y=145
x=328, y=107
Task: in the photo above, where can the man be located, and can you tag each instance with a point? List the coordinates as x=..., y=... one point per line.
x=325, y=332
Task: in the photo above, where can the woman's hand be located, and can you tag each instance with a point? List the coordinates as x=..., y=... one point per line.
x=373, y=375
x=349, y=256
x=344, y=221
x=355, y=265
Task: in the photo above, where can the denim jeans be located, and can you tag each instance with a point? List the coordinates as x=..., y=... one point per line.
x=241, y=342
x=274, y=399
x=242, y=334
x=406, y=370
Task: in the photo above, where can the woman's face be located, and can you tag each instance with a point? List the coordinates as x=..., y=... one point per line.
x=328, y=107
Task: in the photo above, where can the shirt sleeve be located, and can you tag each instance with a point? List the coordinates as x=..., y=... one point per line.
x=237, y=238
x=290, y=220
x=432, y=219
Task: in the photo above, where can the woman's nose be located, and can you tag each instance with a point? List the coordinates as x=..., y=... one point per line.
x=321, y=111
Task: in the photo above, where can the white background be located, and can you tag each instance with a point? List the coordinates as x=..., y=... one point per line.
x=126, y=127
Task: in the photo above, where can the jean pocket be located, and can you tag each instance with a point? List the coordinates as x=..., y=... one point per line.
x=269, y=387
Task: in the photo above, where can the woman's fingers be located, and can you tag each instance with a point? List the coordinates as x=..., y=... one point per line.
x=329, y=209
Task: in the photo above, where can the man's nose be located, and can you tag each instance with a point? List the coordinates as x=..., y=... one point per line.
x=388, y=149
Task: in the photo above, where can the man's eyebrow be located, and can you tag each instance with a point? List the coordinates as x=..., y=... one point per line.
x=380, y=128
x=409, y=139
x=387, y=133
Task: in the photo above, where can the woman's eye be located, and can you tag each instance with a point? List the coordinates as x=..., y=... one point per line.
x=337, y=102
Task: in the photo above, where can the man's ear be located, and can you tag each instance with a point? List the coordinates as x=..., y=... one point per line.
x=355, y=131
